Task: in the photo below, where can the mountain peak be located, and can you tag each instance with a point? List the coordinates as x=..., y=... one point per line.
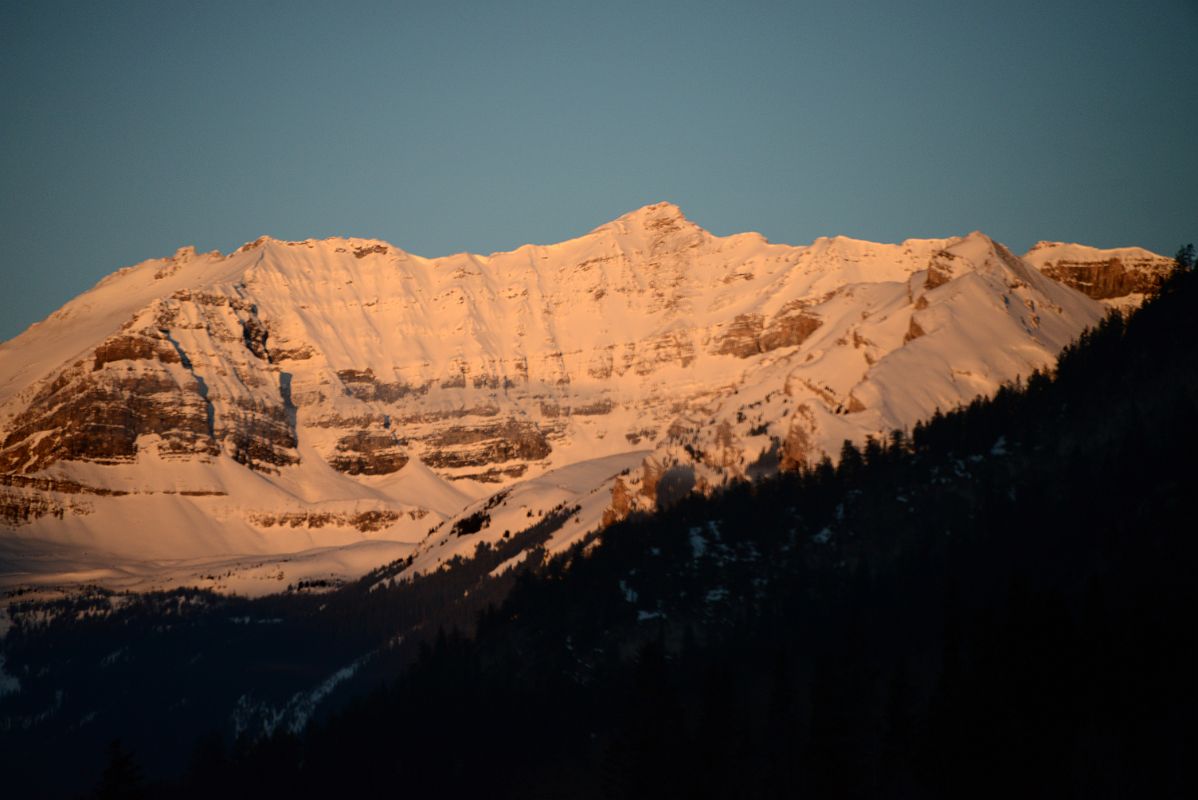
x=661, y=217
x=655, y=210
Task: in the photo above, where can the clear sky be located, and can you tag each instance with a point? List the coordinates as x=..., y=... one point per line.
x=129, y=129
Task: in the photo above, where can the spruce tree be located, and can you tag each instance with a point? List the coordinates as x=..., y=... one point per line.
x=1185, y=258
x=121, y=779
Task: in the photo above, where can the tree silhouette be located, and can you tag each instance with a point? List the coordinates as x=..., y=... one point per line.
x=1185, y=257
x=121, y=779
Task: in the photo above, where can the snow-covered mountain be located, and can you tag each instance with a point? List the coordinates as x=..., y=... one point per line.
x=342, y=400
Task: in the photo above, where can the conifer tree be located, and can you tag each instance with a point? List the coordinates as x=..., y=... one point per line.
x=1185, y=257
x=122, y=779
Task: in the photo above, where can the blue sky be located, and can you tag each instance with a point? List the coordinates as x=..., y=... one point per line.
x=130, y=128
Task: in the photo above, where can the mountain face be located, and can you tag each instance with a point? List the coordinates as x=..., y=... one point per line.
x=343, y=393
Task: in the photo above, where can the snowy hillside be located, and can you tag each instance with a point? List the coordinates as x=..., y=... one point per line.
x=298, y=397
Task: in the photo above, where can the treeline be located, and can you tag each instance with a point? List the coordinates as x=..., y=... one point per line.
x=998, y=605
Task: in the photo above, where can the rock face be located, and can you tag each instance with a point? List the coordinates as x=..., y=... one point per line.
x=749, y=335
x=297, y=394
x=139, y=390
x=1101, y=274
x=368, y=453
x=478, y=446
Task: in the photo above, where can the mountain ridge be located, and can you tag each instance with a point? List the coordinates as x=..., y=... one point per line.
x=297, y=395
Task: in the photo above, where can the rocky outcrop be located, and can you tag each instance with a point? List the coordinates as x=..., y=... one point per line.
x=260, y=436
x=368, y=453
x=1101, y=274
x=365, y=521
x=139, y=390
x=789, y=329
x=621, y=503
x=554, y=410
x=742, y=337
x=24, y=498
x=749, y=335
x=366, y=250
x=135, y=348
x=799, y=448
x=493, y=475
x=22, y=507
x=914, y=331
x=99, y=416
x=254, y=333
x=1105, y=279
x=940, y=270
x=480, y=445
x=640, y=435
x=362, y=384
x=651, y=472
x=59, y=485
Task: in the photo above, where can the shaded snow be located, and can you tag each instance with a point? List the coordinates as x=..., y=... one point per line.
x=8, y=683
x=262, y=719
